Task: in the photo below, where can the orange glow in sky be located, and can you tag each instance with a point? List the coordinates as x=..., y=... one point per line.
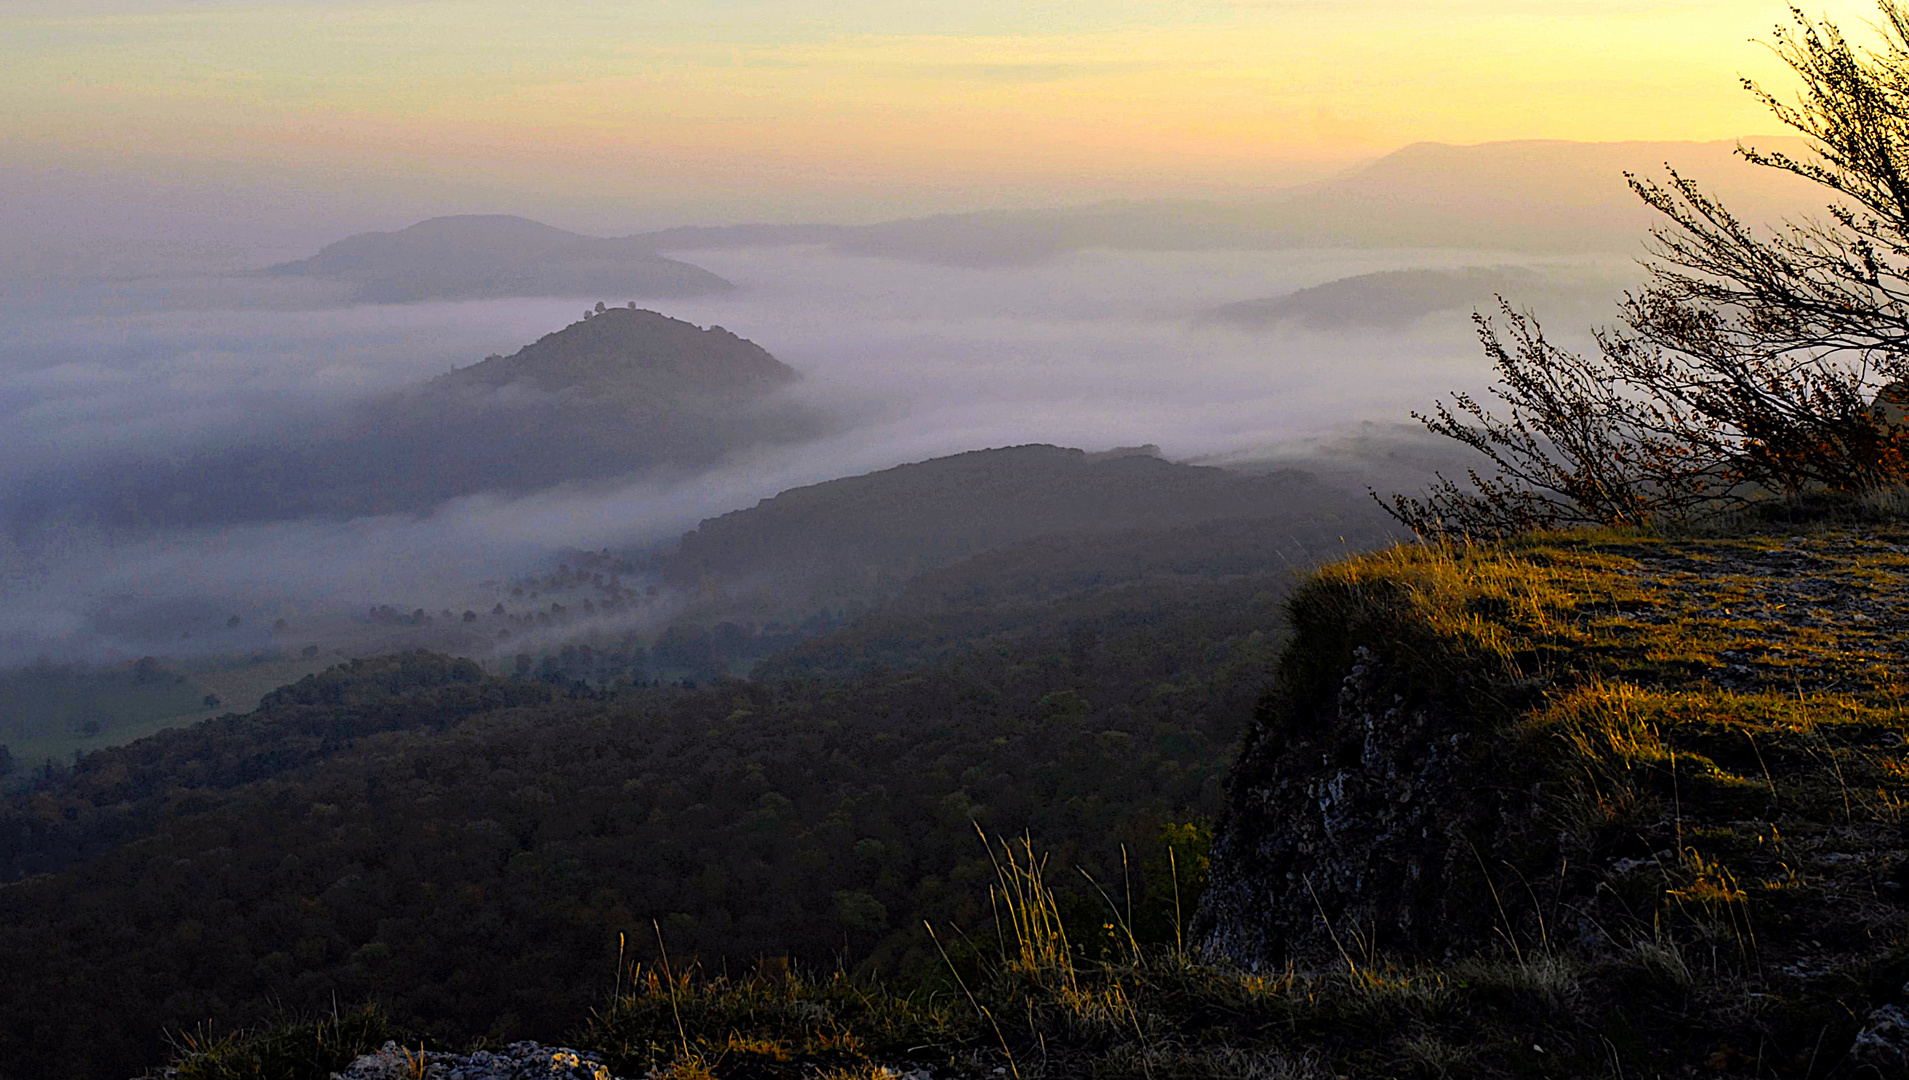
x=861, y=105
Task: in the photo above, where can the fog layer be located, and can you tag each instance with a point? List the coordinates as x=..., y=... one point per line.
x=912, y=360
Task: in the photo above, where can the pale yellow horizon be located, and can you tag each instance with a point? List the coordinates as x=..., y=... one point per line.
x=723, y=107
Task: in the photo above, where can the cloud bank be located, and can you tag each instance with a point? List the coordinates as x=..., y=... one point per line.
x=1094, y=349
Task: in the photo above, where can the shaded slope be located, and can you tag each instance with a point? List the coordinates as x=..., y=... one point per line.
x=475, y=869
x=1084, y=585
x=865, y=535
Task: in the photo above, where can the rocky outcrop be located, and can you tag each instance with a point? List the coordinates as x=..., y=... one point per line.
x=1882, y=1046
x=518, y=1061
x=1669, y=768
x=1358, y=822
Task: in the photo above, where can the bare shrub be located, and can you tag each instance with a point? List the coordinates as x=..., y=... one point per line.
x=1745, y=366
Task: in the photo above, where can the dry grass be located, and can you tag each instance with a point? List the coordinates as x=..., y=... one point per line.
x=291, y=1048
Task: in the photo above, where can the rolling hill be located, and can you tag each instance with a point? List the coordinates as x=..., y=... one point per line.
x=862, y=537
x=476, y=257
x=629, y=354
x=611, y=395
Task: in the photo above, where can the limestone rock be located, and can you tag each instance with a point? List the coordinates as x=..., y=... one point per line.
x=1883, y=1043
x=518, y=1061
x=1355, y=824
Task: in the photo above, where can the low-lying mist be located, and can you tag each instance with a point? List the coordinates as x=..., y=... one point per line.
x=911, y=360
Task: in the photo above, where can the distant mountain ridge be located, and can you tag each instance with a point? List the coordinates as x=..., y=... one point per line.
x=485, y=256
x=1395, y=299
x=1527, y=195
x=1532, y=195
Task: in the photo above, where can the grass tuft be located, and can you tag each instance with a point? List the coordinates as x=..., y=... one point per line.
x=289, y=1048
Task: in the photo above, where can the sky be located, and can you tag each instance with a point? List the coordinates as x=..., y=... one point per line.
x=297, y=114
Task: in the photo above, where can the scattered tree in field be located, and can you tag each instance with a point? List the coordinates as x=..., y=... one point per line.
x=1746, y=364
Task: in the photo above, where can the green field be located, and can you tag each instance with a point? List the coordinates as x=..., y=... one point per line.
x=53, y=711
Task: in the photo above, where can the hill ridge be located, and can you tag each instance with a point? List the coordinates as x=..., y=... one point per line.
x=631, y=349
x=485, y=256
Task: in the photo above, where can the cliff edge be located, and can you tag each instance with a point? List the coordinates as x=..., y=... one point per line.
x=1675, y=767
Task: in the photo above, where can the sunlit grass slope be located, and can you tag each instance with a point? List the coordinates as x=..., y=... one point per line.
x=1679, y=786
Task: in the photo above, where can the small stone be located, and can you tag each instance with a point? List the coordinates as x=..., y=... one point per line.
x=1883, y=1043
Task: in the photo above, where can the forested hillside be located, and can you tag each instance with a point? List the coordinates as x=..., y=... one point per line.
x=469, y=849
x=867, y=537
x=1605, y=801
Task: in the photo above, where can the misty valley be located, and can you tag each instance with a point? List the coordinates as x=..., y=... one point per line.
x=464, y=619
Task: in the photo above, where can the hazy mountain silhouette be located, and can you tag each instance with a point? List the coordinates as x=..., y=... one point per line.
x=1532, y=195
x=473, y=257
x=618, y=394
x=1394, y=299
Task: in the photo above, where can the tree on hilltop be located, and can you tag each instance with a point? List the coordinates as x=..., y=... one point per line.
x=1747, y=363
